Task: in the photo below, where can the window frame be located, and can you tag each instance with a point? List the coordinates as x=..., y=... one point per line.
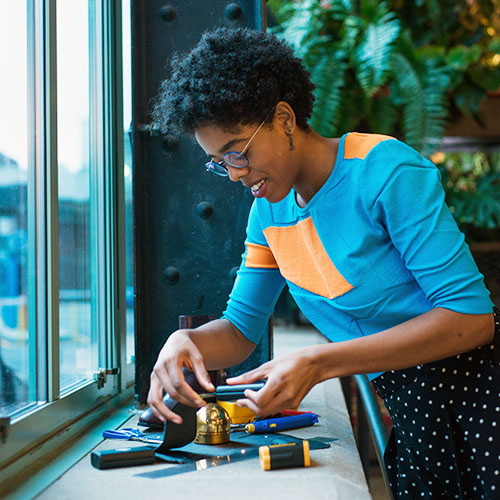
x=33, y=426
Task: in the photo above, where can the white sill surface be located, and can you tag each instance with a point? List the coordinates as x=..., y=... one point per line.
x=335, y=473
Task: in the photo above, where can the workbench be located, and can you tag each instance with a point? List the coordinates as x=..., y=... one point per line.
x=335, y=473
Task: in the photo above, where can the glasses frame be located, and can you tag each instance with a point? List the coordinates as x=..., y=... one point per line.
x=219, y=167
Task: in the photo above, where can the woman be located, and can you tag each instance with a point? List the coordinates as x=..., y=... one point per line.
x=358, y=229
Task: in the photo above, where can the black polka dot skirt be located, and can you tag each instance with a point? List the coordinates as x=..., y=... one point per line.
x=445, y=440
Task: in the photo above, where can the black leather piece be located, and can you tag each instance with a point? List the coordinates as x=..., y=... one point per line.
x=177, y=435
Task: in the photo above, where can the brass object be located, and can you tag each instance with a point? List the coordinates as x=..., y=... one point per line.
x=213, y=425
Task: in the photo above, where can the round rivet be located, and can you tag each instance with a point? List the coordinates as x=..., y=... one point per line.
x=232, y=273
x=171, y=275
x=204, y=209
x=233, y=11
x=168, y=13
x=170, y=142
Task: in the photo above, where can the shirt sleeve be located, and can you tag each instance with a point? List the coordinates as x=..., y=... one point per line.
x=257, y=286
x=405, y=197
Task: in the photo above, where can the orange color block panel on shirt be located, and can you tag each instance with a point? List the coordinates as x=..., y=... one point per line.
x=259, y=256
x=358, y=145
x=303, y=260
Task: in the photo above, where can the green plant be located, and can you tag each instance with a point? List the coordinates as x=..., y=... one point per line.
x=472, y=185
x=390, y=66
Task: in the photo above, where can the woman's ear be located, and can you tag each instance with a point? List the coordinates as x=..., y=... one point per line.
x=284, y=117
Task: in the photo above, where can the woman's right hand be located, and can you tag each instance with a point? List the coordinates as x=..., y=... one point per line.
x=178, y=351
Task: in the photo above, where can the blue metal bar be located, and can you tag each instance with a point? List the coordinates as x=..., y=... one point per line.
x=374, y=420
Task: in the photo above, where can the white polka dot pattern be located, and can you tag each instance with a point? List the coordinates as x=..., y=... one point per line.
x=445, y=416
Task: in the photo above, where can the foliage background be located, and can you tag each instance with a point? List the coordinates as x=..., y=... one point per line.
x=395, y=67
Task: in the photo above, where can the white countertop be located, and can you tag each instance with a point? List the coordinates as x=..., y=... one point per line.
x=335, y=473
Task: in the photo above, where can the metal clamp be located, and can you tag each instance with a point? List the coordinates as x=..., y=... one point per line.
x=153, y=129
x=101, y=375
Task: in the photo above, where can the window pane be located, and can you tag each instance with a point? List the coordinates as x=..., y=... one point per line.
x=78, y=347
x=14, y=349
x=128, y=171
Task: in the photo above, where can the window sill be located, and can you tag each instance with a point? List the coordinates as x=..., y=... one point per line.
x=63, y=450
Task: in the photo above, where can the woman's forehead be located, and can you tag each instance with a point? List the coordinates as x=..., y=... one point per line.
x=215, y=140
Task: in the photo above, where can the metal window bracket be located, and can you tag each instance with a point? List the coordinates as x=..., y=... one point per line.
x=153, y=129
x=4, y=428
x=101, y=375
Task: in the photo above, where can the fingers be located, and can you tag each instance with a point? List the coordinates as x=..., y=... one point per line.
x=178, y=352
x=178, y=389
x=257, y=406
x=171, y=379
x=164, y=413
x=201, y=373
x=248, y=377
x=158, y=407
x=265, y=401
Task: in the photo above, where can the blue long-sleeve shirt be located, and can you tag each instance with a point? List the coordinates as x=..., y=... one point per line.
x=375, y=246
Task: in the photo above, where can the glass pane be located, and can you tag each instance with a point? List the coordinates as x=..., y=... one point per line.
x=128, y=171
x=78, y=348
x=14, y=348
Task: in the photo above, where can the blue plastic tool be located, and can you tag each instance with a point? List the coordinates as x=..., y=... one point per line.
x=282, y=423
x=130, y=434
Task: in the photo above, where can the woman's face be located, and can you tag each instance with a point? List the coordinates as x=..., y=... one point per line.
x=270, y=172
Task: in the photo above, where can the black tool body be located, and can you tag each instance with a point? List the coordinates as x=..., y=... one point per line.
x=232, y=392
x=174, y=436
x=122, y=457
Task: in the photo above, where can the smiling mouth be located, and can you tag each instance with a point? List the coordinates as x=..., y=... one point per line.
x=255, y=188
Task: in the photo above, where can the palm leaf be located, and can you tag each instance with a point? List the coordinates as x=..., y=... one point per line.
x=301, y=25
x=423, y=90
x=376, y=46
x=328, y=74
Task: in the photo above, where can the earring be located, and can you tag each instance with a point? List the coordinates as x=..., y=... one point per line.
x=292, y=145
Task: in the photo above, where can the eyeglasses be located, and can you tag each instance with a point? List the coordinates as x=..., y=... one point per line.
x=231, y=158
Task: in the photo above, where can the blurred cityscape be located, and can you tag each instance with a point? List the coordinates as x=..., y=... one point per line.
x=78, y=344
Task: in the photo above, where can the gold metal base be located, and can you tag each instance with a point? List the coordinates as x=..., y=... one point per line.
x=213, y=425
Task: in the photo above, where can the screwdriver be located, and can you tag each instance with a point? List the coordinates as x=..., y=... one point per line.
x=232, y=392
x=281, y=424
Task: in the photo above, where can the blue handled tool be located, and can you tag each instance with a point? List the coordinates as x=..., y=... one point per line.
x=130, y=434
x=282, y=423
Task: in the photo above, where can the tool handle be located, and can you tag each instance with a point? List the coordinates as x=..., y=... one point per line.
x=232, y=392
x=281, y=424
x=223, y=389
x=280, y=456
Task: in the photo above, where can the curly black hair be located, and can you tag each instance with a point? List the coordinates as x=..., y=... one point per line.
x=233, y=77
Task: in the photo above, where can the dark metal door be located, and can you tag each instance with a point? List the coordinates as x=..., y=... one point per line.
x=189, y=225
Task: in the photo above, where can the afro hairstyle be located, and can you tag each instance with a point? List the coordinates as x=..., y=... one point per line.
x=233, y=77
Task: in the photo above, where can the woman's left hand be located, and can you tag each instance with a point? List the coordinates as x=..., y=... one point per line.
x=288, y=380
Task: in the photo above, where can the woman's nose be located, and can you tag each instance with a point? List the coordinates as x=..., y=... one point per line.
x=236, y=174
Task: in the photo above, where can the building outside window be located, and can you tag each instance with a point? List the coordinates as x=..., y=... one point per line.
x=65, y=213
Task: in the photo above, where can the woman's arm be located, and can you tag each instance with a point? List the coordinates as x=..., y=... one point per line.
x=437, y=334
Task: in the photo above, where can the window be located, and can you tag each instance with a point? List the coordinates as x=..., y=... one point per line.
x=64, y=308
x=128, y=177
x=15, y=365
x=77, y=344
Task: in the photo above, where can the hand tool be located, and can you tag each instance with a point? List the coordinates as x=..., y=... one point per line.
x=282, y=423
x=231, y=392
x=122, y=457
x=280, y=456
x=131, y=434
